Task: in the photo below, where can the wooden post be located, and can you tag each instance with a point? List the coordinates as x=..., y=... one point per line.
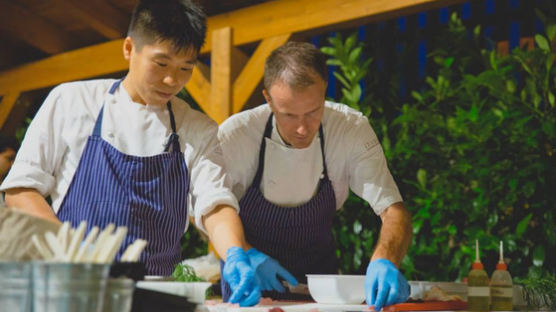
x=253, y=72
x=221, y=74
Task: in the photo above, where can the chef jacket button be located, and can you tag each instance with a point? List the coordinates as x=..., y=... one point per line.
x=272, y=182
x=110, y=134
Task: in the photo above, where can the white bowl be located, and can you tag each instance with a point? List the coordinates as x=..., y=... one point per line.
x=337, y=289
x=193, y=291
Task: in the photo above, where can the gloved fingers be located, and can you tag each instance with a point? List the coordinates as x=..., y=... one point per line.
x=252, y=298
x=286, y=275
x=393, y=296
x=231, y=276
x=403, y=288
x=265, y=285
x=276, y=285
x=371, y=288
x=245, y=286
x=381, y=296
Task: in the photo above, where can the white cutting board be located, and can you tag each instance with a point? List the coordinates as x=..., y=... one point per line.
x=289, y=307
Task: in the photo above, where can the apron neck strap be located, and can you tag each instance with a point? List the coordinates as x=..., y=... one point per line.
x=98, y=123
x=267, y=134
x=174, y=137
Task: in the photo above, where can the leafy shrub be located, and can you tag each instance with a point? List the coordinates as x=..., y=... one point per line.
x=472, y=152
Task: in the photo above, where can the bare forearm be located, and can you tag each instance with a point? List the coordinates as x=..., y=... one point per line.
x=395, y=234
x=30, y=201
x=224, y=229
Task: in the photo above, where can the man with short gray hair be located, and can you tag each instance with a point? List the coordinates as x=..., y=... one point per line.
x=292, y=163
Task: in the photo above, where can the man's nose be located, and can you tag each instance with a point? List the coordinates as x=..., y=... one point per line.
x=302, y=129
x=170, y=79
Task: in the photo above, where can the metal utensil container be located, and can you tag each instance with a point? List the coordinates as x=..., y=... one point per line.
x=119, y=295
x=15, y=286
x=68, y=287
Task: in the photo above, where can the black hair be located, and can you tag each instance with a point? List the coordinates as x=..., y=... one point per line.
x=8, y=142
x=181, y=22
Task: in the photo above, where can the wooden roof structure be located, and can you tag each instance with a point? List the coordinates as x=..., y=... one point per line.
x=47, y=42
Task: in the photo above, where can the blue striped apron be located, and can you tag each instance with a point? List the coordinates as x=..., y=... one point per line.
x=299, y=238
x=146, y=194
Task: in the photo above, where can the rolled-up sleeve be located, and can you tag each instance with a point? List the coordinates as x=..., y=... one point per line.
x=210, y=186
x=370, y=177
x=41, y=150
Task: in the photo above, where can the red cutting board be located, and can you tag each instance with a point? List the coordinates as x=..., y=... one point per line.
x=452, y=305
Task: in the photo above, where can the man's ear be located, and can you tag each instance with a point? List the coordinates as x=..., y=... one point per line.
x=266, y=96
x=128, y=47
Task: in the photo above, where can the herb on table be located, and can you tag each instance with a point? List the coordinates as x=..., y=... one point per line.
x=185, y=273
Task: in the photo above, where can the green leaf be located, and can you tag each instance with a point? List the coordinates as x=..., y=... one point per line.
x=477, y=30
x=551, y=31
x=551, y=98
x=416, y=95
x=538, y=256
x=510, y=86
x=542, y=42
x=422, y=177
x=522, y=225
x=355, y=54
x=328, y=50
x=357, y=227
x=448, y=62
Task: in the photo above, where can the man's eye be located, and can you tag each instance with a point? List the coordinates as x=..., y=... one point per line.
x=185, y=69
x=160, y=64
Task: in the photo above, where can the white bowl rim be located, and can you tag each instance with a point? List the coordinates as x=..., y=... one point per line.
x=334, y=275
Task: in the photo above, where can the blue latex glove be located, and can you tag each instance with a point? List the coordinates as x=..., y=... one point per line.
x=267, y=270
x=384, y=284
x=240, y=275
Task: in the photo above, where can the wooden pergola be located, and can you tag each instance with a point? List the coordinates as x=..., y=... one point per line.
x=225, y=87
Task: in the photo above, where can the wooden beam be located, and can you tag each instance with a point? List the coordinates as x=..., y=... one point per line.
x=274, y=18
x=25, y=25
x=6, y=106
x=199, y=87
x=251, y=24
x=253, y=72
x=79, y=64
x=239, y=59
x=221, y=74
x=100, y=16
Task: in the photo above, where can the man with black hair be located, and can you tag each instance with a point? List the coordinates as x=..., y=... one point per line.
x=131, y=153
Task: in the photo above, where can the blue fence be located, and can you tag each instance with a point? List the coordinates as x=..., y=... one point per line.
x=409, y=36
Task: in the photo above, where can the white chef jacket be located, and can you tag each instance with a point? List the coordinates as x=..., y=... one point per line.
x=56, y=138
x=354, y=159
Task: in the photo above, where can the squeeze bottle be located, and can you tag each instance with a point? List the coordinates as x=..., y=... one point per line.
x=501, y=286
x=478, y=292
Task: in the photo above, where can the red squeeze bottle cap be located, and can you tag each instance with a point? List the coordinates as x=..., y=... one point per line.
x=501, y=266
x=477, y=266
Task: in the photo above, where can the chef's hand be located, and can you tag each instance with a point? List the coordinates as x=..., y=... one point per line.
x=384, y=284
x=267, y=270
x=240, y=275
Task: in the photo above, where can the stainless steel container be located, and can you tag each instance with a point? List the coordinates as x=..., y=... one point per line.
x=15, y=286
x=68, y=287
x=119, y=295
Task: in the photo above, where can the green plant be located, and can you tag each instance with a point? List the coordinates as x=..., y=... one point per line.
x=539, y=288
x=347, y=56
x=473, y=154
